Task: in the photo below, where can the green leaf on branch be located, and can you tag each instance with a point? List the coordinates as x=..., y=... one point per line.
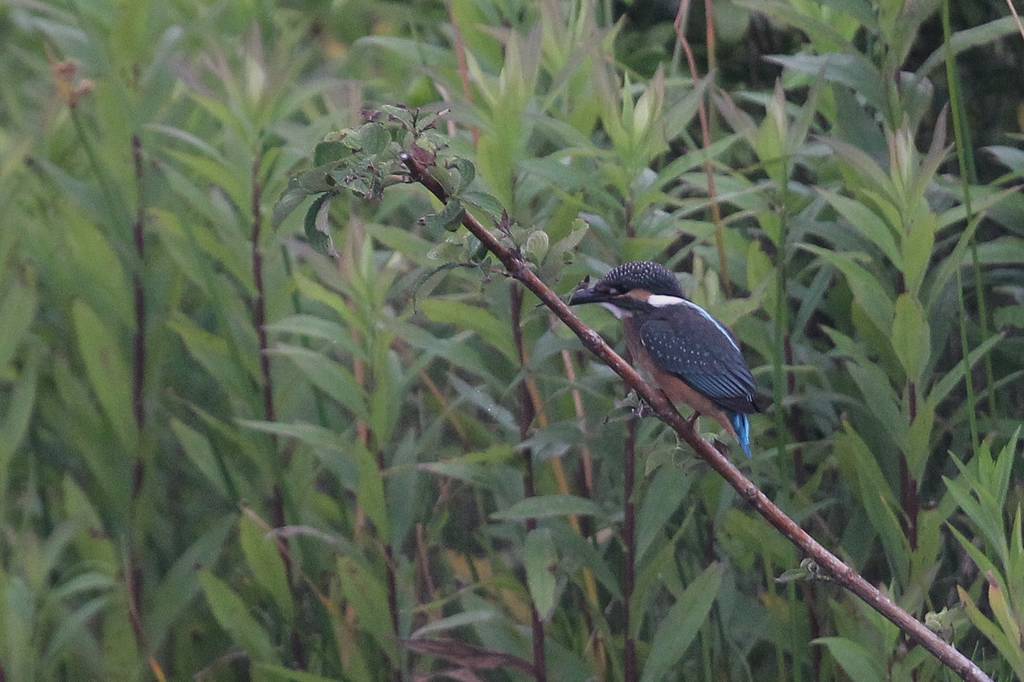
x=200, y=452
x=363, y=589
x=335, y=380
x=329, y=152
x=448, y=219
x=316, y=180
x=540, y=559
x=266, y=564
x=398, y=113
x=107, y=371
x=443, y=177
x=290, y=199
x=679, y=627
x=374, y=138
x=546, y=506
x=233, y=615
x=856, y=661
x=466, y=173
x=317, y=226
x=536, y=246
x=911, y=337
x=484, y=202
x=266, y=672
x=370, y=492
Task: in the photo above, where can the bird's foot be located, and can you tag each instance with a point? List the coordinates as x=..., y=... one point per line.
x=636, y=405
x=642, y=410
x=625, y=408
x=694, y=421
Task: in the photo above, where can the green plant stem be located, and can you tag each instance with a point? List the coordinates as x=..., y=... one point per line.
x=784, y=383
x=318, y=399
x=965, y=159
x=706, y=654
x=705, y=131
x=779, y=345
x=972, y=417
x=117, y=213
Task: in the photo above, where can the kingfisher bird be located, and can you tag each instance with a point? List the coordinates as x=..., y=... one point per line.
x=689, y=354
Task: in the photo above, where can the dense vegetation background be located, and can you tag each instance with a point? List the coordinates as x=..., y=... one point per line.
x=182, y=372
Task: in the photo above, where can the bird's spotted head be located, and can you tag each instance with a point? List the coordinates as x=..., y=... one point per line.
x=631, y=287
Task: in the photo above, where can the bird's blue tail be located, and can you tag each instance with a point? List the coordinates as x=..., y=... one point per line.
x=741, y=424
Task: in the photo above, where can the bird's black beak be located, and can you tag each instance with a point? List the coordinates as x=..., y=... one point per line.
x=587, y=294
x=581, y=296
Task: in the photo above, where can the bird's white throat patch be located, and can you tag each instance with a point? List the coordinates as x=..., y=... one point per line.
x=616, y=310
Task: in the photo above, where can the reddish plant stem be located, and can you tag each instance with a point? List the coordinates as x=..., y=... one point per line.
x=259, y=320
x=428, y=589
x=392, y=581
x=463, y=63
x=138, y=230
x=525, y=416
x=133, y=572
x=259, y=306
x=133, y=576
x=585, y=474
x=908, y=486
x=629, y=540
x=829, y=563
x=709, y=34
x=139, y=291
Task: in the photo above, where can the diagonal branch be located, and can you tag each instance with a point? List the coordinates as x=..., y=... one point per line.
x=828, y=562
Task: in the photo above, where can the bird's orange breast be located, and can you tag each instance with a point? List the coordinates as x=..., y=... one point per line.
x=675, y=388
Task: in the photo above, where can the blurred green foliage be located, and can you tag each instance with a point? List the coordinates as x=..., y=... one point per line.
x=331, y=441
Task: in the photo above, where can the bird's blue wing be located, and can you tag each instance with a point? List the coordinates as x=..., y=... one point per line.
x=689, y=344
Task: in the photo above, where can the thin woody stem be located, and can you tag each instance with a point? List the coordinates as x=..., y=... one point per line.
x=829, y=563
x=526, y=415
x=259, y=321
x=705, y=133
